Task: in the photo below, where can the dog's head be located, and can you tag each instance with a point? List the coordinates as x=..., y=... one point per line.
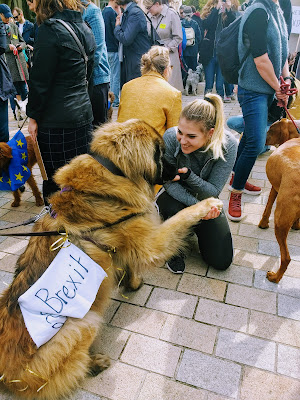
x=280, y=132
x=5, y=156
x=136, y=149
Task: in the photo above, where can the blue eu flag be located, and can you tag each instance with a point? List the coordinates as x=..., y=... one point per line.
x=18, y=172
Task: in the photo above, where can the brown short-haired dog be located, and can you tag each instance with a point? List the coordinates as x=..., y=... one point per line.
x=5, y=158
x=282, y=169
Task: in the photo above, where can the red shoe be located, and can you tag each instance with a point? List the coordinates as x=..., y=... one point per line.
x=234, y=208
x=249, y=188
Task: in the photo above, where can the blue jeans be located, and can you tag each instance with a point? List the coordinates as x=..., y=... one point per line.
x=228, y=89
x=255, y=113
x=212, y=70
x=4, y=133
x=114, y=65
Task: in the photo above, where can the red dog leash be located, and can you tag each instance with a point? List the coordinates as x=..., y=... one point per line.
x=17, y=54
x=286, y=89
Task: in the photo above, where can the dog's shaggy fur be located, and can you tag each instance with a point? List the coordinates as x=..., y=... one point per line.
x=282, y=169
x=192, y=81
x=5, y=158
x=95, y=197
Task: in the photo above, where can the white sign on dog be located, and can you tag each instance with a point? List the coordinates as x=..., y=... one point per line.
x=67, y=288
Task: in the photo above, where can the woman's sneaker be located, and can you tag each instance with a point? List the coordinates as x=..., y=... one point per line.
x=249, y=188
x=176, y=265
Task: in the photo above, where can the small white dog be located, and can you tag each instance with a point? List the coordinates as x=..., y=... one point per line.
x=191, y=82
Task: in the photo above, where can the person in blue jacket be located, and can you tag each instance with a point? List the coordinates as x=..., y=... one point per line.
x=131, y=31
x=26, y=28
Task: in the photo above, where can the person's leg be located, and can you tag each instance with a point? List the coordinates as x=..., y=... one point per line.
x=4, y=132
x=23, y=90
x=236, y=123
x=228, y=89
x=215, y=242
x=219, y=79
x=99, y=102
x=209, y=71
x=114, y=64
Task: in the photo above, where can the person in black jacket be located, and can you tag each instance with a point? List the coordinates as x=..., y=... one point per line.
x=6, y=87
x=131, y=32
x=59, y=106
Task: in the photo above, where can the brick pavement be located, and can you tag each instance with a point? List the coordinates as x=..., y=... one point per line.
x=205, y=335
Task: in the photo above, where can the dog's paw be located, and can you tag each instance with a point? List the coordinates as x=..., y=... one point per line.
x=263, y=224
x=39, y=201
x=273, y=277
x=99, y=362
x=15, y=203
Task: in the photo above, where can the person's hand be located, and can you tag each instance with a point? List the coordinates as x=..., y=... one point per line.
x=13, y=48
x=30, y=47
x=183, y=170
x=118, y=20
x=213, y=213
x=33, y=128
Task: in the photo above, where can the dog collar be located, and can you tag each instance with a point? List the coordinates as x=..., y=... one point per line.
x=107, y=164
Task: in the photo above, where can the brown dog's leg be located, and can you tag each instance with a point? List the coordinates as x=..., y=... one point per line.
x=264, y=222
x=281, y=233
x=35, y=191
x=17, y=198
x=296, y=224
x=99, y=362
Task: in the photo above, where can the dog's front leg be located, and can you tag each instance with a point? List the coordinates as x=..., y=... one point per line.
x=264, y=222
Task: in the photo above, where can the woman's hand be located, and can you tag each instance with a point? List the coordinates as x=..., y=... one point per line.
x=183, y=170
x=33, y=128
x=213, y=213
x=118, y=20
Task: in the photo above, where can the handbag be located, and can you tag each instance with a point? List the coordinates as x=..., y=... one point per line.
x=206, y=50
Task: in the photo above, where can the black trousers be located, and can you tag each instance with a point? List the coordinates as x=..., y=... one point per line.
x=99, y=100
x=214, y=236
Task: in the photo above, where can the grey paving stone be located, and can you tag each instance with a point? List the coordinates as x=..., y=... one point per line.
x=172, y=302
x=157, y=387
x=209, y=373
x=263, y=385
x=200, y=286
x=84, y=395
x=194, y=264
x=140, y=320
x=5, y=280
x=234, y=274
x=139, y=297
x=189, y=333
x=289, y=307
x=246, y=349
x=252, y=298
x=288, y=285
x=151, y=354
x=272, y=249
x=111, y=310
x=161, y=277
x=288, y=361
x=220, y=314
x=274, y=328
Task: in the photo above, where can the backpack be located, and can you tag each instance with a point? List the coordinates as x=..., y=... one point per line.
x=227, y=52
x=190, y=36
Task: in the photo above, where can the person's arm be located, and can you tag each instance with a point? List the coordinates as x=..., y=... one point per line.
x=211, y=21
x=176, y=32
x=133, y=27
x=174, y=113
x=2, y=38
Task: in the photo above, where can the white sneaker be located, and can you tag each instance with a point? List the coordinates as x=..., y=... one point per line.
x=227, y=99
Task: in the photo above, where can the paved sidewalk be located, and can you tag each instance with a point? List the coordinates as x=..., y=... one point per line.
x=204, y=335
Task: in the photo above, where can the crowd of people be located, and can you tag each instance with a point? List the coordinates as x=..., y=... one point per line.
x=142, y=54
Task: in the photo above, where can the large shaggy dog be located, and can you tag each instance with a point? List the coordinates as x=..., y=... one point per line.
x=101, y=211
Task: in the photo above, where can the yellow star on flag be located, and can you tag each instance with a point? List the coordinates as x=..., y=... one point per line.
x=24, y=168
x=1, y=179
x=9, y=182
x=20, y=143
x=24, y=156
x=19, y=177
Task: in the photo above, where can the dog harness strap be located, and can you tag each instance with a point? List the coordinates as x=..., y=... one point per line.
x=107, y=164
x=104, y=247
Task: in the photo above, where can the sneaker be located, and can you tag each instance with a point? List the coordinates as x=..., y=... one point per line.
x=234, y=208
x=176, y=265
x=227, y=99
x=233, y=97
x=249, y=188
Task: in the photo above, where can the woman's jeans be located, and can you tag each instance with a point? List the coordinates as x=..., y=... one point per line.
x=21, y=89
x=211, y=70
x=4, y=133
x=214, y=236
x=255, y=113
x=114, y=65
x=228, y=89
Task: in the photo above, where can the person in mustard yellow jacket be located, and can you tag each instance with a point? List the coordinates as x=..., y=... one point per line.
x=150, y=97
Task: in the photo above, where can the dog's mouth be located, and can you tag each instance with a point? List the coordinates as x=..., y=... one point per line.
x=166, y=173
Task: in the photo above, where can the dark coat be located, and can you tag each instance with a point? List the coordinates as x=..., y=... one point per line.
x=133, y=34
x=28, y=32
x=58, y=95
x=6, y=85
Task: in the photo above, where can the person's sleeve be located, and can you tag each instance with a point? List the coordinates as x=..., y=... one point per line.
x=133, y=27
x=2, y=38
x=230, y=17
x=96, y=23
x=255, y=29
x=210, y=23
x=31, y=35
x=176, y=32
x=220, y=172
x=42, y=74
x=21, y=40
x=174, y=113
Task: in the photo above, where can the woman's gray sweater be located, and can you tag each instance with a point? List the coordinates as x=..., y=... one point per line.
x=208, y=175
